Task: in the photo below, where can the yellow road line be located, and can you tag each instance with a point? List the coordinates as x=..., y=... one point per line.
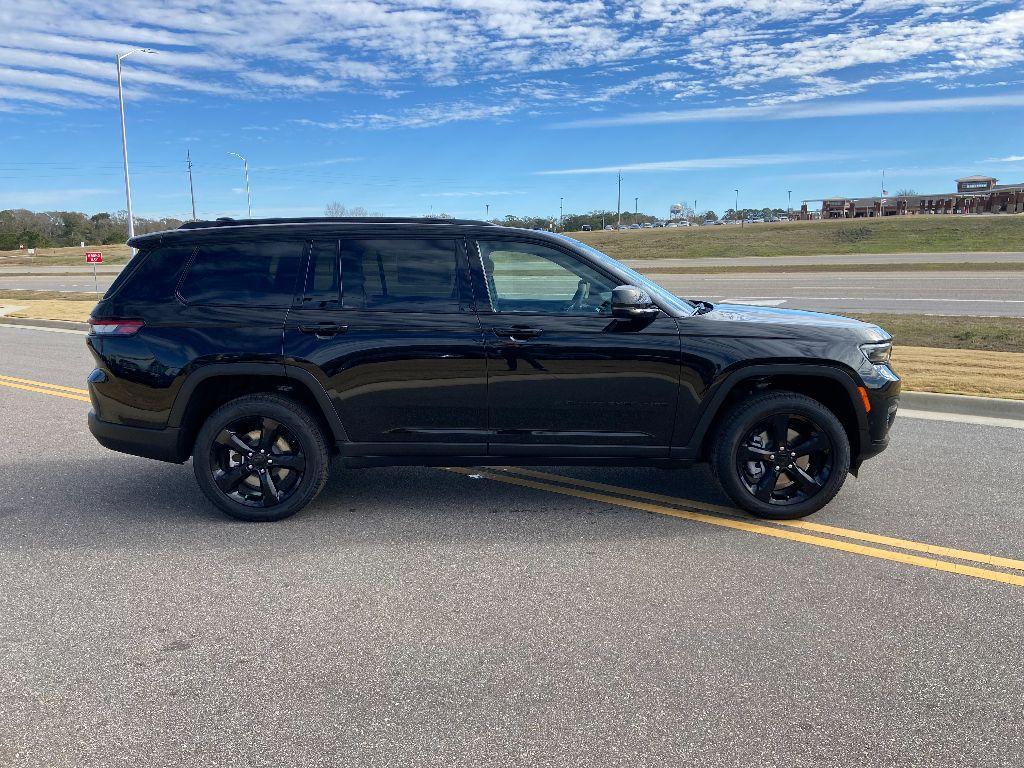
x=43, y=391
x=764, y=530
x=30, y=382
x=873, y=538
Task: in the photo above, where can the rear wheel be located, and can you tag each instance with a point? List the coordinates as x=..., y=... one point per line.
x=781, y=455
x=260, y=458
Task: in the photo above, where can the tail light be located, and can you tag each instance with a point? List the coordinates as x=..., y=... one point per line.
x=114, y=326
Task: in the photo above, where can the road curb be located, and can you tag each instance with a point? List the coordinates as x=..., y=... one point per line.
x=965, y=405
x=64, y=324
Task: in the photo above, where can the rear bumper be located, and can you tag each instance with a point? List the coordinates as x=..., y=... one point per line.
x=161, y=444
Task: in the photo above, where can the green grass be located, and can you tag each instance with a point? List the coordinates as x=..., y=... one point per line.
x=904, y=234
x=993, y=334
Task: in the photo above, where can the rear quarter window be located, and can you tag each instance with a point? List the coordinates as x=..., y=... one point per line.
x=254, y=274
x=151, y=275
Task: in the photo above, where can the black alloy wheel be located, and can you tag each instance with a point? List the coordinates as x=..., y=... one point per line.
x=781, y=455
x=260, y=458
x=785, y=459
x=257, y=462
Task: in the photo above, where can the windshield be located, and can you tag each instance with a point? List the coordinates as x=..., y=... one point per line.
x=635, y=278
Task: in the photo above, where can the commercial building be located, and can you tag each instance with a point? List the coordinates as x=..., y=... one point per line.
x=974, y=194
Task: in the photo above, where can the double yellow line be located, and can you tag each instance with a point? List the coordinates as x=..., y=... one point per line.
x=71, y=393
x=874, y=545
x=843, y=539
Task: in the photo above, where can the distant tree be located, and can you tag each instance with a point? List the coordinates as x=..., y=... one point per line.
x=905, y=192
x=336, y=210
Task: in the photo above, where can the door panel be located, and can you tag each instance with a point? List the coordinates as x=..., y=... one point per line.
x=571, y=378
x=399, y=374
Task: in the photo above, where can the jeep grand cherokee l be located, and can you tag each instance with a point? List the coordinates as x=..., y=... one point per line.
x=262, y=349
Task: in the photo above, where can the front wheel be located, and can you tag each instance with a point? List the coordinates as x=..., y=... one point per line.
x=781, y=455
x=260, y=458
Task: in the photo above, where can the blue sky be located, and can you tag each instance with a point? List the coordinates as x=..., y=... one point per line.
x=409, y=107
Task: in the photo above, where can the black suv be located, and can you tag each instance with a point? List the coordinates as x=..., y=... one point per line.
x=262, y=348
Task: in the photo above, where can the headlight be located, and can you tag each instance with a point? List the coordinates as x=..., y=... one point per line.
x=877, y=352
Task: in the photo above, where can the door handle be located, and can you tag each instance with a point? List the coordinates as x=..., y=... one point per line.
x=517, y=333
x=323, y=330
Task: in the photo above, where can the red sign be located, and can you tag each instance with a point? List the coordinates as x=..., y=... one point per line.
x=93, y=257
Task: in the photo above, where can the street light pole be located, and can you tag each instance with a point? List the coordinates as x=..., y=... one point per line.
x=618, y=205
x=248, y=190
x=124, y=140
x=789, y=204
x=636, y=209
x=561, y=215
x=487, y=207
x=736, y=208
x=191, y=189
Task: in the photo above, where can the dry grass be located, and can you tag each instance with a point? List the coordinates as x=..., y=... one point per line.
x=50, y=309
x=961, y=371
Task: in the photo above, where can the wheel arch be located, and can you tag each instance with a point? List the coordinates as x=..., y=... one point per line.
x=211, y=386
x=833, y=386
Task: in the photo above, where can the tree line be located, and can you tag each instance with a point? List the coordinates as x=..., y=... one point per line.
x=54, y=229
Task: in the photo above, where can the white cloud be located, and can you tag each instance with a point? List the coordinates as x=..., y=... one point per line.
x=708, y=163
x=795, y=111
x=506, y=55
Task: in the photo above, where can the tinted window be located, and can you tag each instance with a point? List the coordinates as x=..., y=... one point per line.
x=403, y=275
x=260, y=274
x=524, y=277
x=323, y=283
x=151, y=275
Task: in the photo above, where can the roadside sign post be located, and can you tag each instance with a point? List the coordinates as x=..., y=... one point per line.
x=94, y=258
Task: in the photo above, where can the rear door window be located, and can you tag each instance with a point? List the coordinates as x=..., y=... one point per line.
x=415, y=275
x=253, y=274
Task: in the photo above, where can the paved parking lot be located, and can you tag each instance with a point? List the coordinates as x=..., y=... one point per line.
x=541, y=617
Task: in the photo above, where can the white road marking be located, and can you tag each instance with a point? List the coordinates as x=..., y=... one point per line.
x=959, y=418
x=755, y=302
x=47, y=330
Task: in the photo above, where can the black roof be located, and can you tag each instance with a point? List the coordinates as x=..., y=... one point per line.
x=229, y=222
x=320, y=224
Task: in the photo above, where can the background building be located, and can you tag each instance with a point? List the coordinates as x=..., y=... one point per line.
x=974, y=194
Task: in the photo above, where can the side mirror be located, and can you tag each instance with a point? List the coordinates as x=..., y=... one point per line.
x=632, y=303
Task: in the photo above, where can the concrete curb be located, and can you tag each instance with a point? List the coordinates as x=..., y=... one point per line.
x=68, y=325
x=965, y=405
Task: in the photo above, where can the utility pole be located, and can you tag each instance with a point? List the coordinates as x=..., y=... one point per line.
x=124, y=140
x=561, y=215
x=636, y=209
x=789, y=204
x=736, y=208
x=618, y=204
x=248, y=189
x=191, y=189
x=695, y=208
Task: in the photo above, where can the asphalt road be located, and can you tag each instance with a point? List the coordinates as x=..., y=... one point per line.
x=935, y=293
x=423, y=617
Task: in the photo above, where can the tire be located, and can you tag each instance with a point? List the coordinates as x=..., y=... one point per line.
x=807, y=475
x=289, y=460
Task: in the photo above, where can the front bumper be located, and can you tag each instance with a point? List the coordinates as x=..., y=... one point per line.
x=162, y=444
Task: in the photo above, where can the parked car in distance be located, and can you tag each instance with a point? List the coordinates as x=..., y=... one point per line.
x=585, y=228
x=266, y=349
x=608, y=227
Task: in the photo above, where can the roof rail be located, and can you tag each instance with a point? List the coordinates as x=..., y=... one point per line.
x=229, y=222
